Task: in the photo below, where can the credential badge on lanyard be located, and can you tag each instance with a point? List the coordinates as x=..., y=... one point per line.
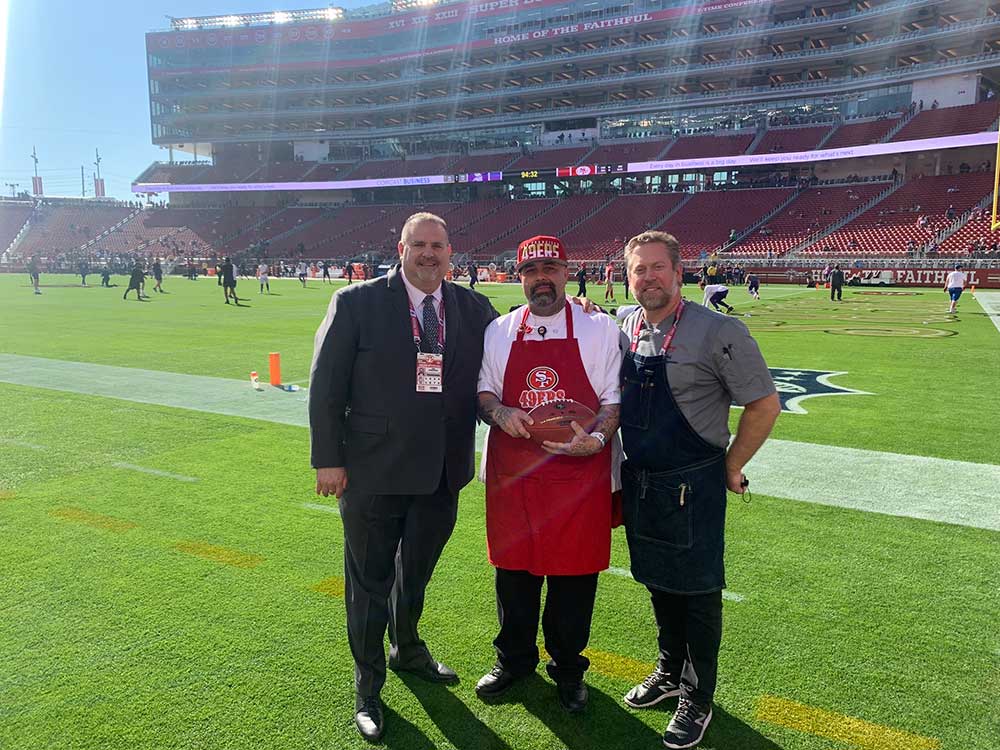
x=430, y=365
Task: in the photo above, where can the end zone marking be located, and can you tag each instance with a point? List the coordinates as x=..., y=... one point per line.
x=834, y=726
x=98, y=521
x=332, y=586
x=218, y=554
x=729, y=596
x=155, y=472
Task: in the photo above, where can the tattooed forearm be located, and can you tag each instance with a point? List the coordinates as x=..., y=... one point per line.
x=608, y=417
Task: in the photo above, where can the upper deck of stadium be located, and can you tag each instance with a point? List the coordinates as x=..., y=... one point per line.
x=506, y=66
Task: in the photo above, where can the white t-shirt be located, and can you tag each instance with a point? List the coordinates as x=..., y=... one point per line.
x=956, y=279
x=596, y=334
x=303, y=269
x=262, y=270
x=713, y=289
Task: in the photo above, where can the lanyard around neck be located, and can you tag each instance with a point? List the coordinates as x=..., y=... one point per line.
x=415, y=325
x=670, y=334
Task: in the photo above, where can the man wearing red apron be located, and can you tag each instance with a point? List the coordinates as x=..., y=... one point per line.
x=548, y=507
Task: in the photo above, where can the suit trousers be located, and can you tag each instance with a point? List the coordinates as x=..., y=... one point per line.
x=569, y=607
x=689, y=637
x=391, y=545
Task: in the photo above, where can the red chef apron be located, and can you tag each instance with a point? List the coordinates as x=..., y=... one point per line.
x=546, y=514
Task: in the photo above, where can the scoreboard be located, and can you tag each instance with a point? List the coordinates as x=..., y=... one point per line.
x=583, y=170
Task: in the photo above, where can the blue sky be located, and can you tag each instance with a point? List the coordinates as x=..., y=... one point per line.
x=75, y=80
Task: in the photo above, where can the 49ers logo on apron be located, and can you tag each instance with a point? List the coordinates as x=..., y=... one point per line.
x=542, y=382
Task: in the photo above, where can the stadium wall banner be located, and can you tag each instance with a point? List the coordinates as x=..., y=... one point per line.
x=800, y=157
x=676, y=165
x=449, y=14
x=907, y=277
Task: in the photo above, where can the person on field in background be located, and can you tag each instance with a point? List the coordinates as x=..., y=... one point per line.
x=715, y=295
x=836, y=284
x=227, y=277
x=33, y=266
x=158, y=276
x=136, y=281
x=954, y=284
x=263, y=279
x=609, y=282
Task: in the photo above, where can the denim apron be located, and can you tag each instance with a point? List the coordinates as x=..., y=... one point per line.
x=674, y=486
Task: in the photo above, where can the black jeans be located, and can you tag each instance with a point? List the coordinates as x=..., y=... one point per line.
x=569, y=606
x=690, y=633
x=838, y=290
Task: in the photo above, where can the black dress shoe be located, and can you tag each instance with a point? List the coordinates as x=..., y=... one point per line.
x=573, y=696
x=496, y=682
x=432, y=671
x=368, y=718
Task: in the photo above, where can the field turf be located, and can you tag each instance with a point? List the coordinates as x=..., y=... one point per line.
x=201, y=606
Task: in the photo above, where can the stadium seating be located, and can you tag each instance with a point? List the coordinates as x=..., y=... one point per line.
x=279, y=223
x=354, y=230
x=330, y=171
x=606, y=232
x=861, y=133
x=175, y=174
x=886, y=227
x=545, y=158
x=57, y=228
x=785, y=140
x=237, y=172
x=375, y=168
x=971, y=231
x=813, y=211
x=12, y=218
x=483, y=162
x=699, y=146
x=287, y=171
x=934, y=123
x=627, y=152
x=511, y=215
x=418, y=167
x=700, y=228
x=564, y=213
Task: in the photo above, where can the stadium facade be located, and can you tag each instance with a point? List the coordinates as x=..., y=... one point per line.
x=838, y=129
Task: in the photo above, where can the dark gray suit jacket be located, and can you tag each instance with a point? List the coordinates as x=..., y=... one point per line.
x=364, y=411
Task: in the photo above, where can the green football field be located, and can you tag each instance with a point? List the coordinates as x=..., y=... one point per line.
x=169, y=579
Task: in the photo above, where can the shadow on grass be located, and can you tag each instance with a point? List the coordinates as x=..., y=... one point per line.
x=399, y=733
x=608, y=725
x=457, y=722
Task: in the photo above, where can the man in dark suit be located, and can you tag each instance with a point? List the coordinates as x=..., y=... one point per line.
x=392, y=411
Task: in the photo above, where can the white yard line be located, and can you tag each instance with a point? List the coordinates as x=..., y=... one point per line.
x=729, y=596
x=990, y=302
x=23, y=444
x=154, y=472
x=324, y=508
x=896, y=484
x=936, y=489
